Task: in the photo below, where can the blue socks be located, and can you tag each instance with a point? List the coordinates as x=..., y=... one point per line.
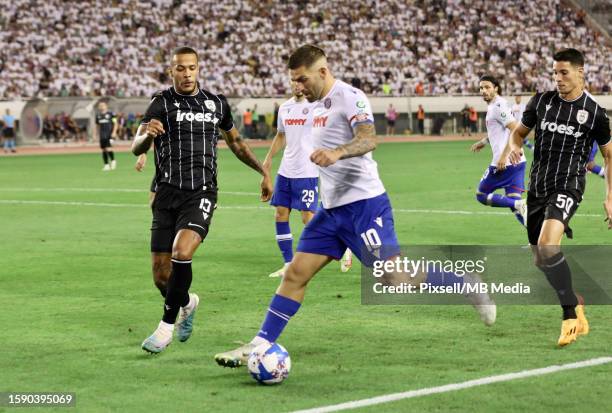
x=599, y=170
x=280, y=311
x=284, y=240
x=496, y=200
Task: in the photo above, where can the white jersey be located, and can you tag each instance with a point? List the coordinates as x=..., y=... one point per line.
x=294, y=120
x=334, y=116
x=517, y=111
x=498, y=117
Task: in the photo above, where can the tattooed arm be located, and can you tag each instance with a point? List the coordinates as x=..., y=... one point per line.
x=364, y=141
x=246, y=155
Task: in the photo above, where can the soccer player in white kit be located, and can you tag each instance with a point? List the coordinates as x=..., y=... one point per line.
x=500, y=123
x=517, y=112
x=297, y=180
x=356, y=211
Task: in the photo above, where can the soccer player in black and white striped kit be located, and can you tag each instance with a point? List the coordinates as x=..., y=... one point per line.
x=184, y=123
x=567, y=122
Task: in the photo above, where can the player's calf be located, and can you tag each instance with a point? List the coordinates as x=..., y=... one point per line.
x=161, y=267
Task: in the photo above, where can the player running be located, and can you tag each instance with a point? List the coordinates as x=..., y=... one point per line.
x=517, y=112
x=297, y=180
x=356, y=211
x=592, y=166
x=512, y=178
x=567, y=122
x=184, y=122
x=106, y=129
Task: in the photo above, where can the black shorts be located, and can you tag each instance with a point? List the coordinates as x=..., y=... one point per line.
x=105, y=143
x=391, y=123
x=560, y=205
x=175, y=209
x=8, y=133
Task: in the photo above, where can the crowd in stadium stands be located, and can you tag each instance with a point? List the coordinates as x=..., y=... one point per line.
x=392, y=47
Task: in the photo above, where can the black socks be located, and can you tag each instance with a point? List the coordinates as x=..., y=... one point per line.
x=177, y=295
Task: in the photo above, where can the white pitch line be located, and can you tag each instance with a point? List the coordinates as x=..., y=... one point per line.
x=457, y=386
x=262, y=207
x=141, y=190
x=108, y=204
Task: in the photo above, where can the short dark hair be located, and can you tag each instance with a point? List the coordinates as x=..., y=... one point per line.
x=492, y=79
x=305, y=55
x=575, y=57
x=185, y=50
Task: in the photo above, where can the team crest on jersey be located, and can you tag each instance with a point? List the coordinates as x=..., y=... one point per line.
x=305, y=111
x=582, y=116
x=210, y=105
x=327, y=103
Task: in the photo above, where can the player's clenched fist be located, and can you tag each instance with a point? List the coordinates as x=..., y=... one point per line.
x=154, y=128
x=325, y=157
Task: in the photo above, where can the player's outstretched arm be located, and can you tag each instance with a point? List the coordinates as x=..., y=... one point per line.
x=364, y=141
x=145, y=135
x=606, y=151
x=246, y=155
x=278, y=143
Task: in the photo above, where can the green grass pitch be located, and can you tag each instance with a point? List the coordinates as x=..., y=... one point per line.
x=78, y=299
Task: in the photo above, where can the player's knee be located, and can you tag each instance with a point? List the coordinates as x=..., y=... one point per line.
x=281, y=215
x=590, y=165
x=161, y=272
x=181, y=254
x=295, y=276
x=482, y=198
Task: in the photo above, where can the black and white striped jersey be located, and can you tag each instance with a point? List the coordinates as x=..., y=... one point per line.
x=564, y=135
x=186, y=154
x=105, y=121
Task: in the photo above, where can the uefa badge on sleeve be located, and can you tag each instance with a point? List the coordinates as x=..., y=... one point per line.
x=327, y=103
x=582, y=116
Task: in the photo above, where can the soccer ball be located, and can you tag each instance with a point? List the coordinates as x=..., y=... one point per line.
x=269, y=363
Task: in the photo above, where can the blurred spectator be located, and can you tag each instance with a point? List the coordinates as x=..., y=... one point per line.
x=275, y=119
x=62, y=128
x=255, y=122
x=465, y=121
x=421, y=120
x=419, y=90
x=48, y=132
x=73, y=131
x=247, y=120
x=391, y=116
x=8, y=131
x=473, y=119
x=415, y=47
